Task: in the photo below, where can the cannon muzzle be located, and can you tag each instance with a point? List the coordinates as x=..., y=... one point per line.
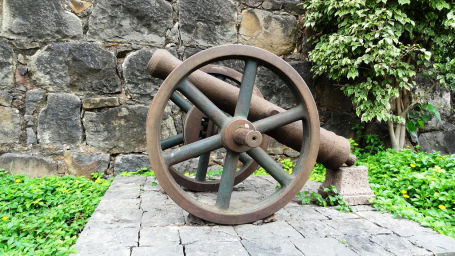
x=334, y=150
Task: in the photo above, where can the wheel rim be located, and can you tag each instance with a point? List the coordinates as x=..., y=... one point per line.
x=219, y=213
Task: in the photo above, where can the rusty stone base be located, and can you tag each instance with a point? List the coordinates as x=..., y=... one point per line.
x=351, y=182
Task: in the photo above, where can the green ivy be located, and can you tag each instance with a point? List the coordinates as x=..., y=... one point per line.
x=39, y=216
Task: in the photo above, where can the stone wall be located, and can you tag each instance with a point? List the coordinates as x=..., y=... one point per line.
x=74, y=91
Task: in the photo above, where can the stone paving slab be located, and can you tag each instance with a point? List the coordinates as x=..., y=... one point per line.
x=135, y=218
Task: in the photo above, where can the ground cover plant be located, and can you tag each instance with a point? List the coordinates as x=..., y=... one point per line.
x=415, y=185
x=44, y=216
x=38, y=216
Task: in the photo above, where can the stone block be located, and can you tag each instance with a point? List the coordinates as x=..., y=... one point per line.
x=21, y=20
x=5, y=98
x=291, y=6
x=351, y=182
x=441, y=99
x=436, y=243
x=322, y=246
x=59, y=122
x=167, y=123
x=134, y=181
x=6, y=65
x=80, y=164
x=359, y=227
x=10, y=125
x=117, y=130
x=216, y=248
x=135, y=21
x=93, y=238
x=75, y=67
x=121, y=218
x=279, y=230
x=275, y=33
x=363, y=245
x=398, y=245
x=140, y=85
x=192, y=234
x=159, y=236
x=302, y=212
x=207, y=23
x=165, y=215
x=87, y=248
x=211, y=240
x=31, y=136
x=130, y=163
x=31, y=166
x=340, y=123
x=112, y=205
x=33, y=99
x=275, y=89
x=435, y=125
x=166, y=250
x=123, y=190
x=402, y=227
x=333, y=214
x=329, y=97
x=155, y=201
x=100, y=102
x=442, y=141
x=313, y=228
x=266, y=247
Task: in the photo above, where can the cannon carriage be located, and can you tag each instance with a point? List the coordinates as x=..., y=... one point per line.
x=239, y=120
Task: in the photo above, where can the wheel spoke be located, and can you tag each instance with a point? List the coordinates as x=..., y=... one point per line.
x=280, y=119
x=245, y=159
x=192, y=150
x=181, y=102
x=172, y=141
x=202, y=103
x=202, y=166
x=246, y=89
x=272, y=167
x=227, y=180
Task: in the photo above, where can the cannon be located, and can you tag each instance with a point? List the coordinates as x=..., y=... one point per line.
x=239, y=120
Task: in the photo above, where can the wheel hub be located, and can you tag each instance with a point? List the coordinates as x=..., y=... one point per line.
x=240, y=135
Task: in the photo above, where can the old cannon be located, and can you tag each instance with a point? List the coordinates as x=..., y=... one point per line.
x=237, y=120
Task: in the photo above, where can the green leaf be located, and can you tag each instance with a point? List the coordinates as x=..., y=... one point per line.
x=402, y=2
x=410, y=126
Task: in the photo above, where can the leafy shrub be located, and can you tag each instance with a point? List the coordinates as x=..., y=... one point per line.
x=43, y=216
x=376, y=50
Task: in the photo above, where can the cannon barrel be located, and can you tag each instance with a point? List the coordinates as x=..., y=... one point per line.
x=334, y=150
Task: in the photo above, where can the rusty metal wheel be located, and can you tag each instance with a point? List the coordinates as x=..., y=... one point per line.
x=239, y=135
x=197, y=126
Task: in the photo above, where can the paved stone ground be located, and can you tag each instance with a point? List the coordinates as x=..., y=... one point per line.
x=136, y=218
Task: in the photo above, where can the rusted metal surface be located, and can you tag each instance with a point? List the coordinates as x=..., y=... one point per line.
x=334, y=150
x=231, y=131
x=191, y=84
x=197, y=126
